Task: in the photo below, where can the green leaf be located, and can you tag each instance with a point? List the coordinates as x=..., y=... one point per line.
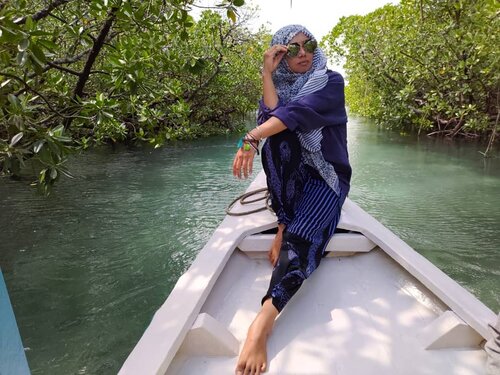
x=127, y=9
x=40, y=33
x=238, y=3
x=48, y=45
x=29, y=24
x=16, y=139
x=63, y=139
x=231, y=15
x=38, y=145
x=10, y=36
x=58, y=131
x=4, y=83
x=196, y=66
x=23, y=45
x=65, y=172
x=114, y=61
x=21, y=58
x=38, y=53
x=14, y=100
x=42, y=175
x=184, y=15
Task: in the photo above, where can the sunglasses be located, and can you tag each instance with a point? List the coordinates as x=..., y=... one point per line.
x=309, y=45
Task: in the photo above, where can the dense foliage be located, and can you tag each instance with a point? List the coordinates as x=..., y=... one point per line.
x=427, y=65
x=79, y=73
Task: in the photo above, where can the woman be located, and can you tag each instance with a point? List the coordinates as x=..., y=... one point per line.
x=302, y=115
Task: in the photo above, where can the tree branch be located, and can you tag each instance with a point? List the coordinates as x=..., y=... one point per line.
x=489, y=148
x=94, y=52
x=457, y=127
x=43, y=13
x=58, y=62
x=223, y=38
x=58, y=18
x=382, y=61
x=67, y=70
x=35, y=92
x=421, y=64
x=99, y=72
x=84, y=75
x=71, y=60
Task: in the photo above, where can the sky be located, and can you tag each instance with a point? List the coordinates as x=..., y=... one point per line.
x=318, y=16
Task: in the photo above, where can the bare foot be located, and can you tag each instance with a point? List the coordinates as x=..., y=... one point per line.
x=253, y=357
x=274, y=251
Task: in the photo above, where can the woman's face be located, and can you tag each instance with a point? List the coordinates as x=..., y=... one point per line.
x=303, y=61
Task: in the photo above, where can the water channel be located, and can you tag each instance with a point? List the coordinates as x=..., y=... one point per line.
x=87, y=267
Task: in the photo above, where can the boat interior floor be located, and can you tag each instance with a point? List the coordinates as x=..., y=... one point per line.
x=360, y=314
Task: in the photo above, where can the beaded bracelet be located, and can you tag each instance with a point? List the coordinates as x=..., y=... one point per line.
x=248, y=142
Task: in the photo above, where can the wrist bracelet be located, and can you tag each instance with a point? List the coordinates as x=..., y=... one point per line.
x=259, y=130
x=247, y=144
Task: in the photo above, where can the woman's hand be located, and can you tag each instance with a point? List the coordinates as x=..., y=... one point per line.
x=243, y=162
x=273, y=56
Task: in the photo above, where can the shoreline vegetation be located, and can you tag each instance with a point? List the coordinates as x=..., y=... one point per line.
x=75, y=75
x=430, y=67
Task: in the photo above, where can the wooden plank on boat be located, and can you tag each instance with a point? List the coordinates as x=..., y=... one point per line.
x=449, y=331
x=341, y=244
x=209, y=337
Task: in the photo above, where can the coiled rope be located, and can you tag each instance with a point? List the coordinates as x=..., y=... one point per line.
x=243, y=201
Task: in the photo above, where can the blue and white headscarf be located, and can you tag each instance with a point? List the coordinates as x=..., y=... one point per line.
x=292, y=86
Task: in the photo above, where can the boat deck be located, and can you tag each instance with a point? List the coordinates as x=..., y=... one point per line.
x=386, y=311
x=362, y=314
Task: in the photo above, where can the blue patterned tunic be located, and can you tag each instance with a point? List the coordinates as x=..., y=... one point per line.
x=300, y=197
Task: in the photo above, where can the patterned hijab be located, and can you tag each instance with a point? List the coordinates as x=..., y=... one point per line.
x=288, y=83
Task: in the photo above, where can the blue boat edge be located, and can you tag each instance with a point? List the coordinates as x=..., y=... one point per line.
x=12, y=356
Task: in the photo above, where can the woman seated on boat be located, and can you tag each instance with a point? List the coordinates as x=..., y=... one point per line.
x=302, y=114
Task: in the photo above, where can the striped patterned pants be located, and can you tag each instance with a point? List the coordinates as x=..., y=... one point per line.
x=306, y=205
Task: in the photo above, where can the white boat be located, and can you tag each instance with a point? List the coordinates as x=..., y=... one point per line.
x=374, y=306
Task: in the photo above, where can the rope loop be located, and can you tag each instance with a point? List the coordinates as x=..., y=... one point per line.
x=243, y=199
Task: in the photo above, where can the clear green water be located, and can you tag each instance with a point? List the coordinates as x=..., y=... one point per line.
x=87, y=267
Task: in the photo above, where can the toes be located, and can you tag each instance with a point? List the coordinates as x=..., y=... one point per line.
x=239, y=369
